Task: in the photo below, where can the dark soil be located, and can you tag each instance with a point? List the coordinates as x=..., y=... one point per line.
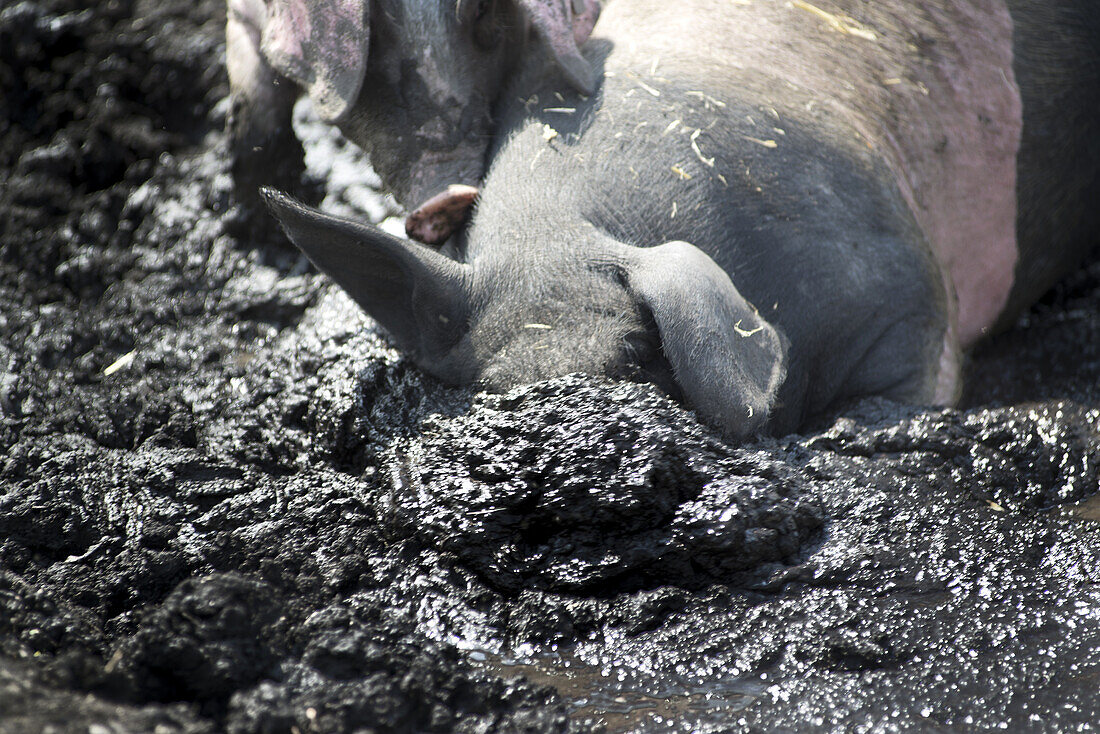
x=226, y=504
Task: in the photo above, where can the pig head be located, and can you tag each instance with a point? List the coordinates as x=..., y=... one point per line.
x=412, y=82
x=668, y=314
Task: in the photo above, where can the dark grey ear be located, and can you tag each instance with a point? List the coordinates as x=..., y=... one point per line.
x=322, y=45
x=416, y=294
x=728, y=360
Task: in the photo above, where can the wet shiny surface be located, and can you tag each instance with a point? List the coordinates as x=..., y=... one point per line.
x=264, y=519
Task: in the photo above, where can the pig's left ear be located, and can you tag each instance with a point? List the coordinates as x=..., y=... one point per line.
x=322, y=45
x=564, y=25
x=728, y=360
x=419, y=296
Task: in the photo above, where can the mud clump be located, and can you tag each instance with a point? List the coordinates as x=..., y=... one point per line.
x=570, y=485
x=227, y=505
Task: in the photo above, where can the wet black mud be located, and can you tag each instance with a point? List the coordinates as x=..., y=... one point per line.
x=226, y=505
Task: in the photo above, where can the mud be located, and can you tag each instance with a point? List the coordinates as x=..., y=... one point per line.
x=227, y=505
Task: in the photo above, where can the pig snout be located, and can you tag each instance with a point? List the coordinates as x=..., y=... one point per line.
x=440, y=216
x=443, y=180
x=443, y=187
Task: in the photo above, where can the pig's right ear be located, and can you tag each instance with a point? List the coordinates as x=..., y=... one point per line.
x=727, y=359
x=416, y=294
x=322, y=46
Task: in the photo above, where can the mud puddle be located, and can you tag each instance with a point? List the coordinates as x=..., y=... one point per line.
x=614, y=700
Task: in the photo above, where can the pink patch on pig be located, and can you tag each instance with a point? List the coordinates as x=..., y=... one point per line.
x=928, y=85
x=964, y=194
x=949, y=118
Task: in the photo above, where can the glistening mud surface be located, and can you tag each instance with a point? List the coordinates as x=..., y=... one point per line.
x=227, y=505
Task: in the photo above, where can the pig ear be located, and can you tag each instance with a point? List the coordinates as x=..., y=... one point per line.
x=727, y=359
x=322, y=45
x=416, y=294
x=563, y=25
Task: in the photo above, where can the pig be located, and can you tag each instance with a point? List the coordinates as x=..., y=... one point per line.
x=412, y=82
x=767, y=208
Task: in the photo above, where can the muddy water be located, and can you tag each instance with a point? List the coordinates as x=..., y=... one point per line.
x=226, y=504
x=616, y=703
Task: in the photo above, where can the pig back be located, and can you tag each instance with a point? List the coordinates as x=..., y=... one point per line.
x=927, y=86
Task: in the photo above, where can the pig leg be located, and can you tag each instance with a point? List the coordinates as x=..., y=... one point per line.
x=263, y=147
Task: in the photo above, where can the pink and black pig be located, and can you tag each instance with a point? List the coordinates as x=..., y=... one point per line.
x=766, y=207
